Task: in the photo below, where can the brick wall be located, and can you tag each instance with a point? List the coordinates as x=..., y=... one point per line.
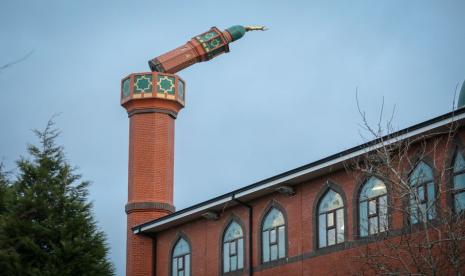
x=151, y=158
x=150, y=183
x=303, y=256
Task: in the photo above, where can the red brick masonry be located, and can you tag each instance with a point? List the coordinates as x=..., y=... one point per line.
x=303, y=256
x=150, y=174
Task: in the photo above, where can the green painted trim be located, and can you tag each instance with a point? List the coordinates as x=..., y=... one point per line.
x=126, y=87
x=207, y=36
x=236, y=32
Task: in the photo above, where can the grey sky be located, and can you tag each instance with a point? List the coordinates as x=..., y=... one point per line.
x=278, y=100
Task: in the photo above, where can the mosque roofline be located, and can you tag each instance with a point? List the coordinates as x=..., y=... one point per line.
x=295, y=176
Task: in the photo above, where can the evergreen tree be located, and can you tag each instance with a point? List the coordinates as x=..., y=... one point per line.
x=48, y=228
x=5, y=202
x=3, y=191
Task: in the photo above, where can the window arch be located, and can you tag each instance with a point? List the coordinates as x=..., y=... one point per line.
x=330, y=219
x=373, y=207
x=458, y=189
x=422, y=195
x=181, y=258
x=233, y=247
x=273, y=236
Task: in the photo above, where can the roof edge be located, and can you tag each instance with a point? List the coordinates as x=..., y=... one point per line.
x=416, y=129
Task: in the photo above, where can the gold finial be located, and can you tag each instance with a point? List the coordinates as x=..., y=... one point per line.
x=255, y=28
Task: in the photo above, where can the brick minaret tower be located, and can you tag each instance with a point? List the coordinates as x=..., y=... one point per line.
x=153, y=101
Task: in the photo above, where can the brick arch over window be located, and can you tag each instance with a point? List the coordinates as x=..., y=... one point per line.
x=233, y=218
x=328, y=186
x=272, y=205
x=188, y=268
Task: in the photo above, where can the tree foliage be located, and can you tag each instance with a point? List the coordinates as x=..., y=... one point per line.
x=46, y=226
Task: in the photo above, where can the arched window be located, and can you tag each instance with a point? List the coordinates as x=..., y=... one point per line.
x=233, y=248
x=181, y=259
x=458, y=192
x=330, y=219
x=373, y=207
x=273, y=236
x=423, y=196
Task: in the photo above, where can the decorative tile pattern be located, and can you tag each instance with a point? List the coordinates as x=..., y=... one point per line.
x=181, y=90
x=212, y=44
x=206, y=36
x=210, y=40
x=126, y=87
x=143, y=84
x=165, y=85
x=140, y=86
x=216, y=52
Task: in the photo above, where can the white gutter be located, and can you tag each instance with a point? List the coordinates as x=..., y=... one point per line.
x=353, y=154
x=199, y=209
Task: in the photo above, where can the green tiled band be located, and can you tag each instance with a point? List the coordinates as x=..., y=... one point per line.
x=126, y=87
x=165, y=84
x=143, y=84
x=205, y=37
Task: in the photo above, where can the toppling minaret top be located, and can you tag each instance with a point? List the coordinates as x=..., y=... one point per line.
x=200, y=48
x=153, y=100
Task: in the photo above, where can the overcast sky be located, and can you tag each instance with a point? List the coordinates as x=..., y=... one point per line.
x=278, y=100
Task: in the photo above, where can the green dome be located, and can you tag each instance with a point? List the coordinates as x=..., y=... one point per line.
x=461, y=102
x=236, y=32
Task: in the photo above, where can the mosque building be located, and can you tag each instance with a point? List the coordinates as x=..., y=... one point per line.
x=311, y=220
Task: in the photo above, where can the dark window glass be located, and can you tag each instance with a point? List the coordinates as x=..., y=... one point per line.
x=273, y=236
x=459, y=183
x=233, y=248
x=373, y=207
x=181, y=259
x=422, y=196
x=330, y=219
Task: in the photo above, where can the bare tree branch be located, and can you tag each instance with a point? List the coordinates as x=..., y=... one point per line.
x=430, y=235
x=3, y=67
